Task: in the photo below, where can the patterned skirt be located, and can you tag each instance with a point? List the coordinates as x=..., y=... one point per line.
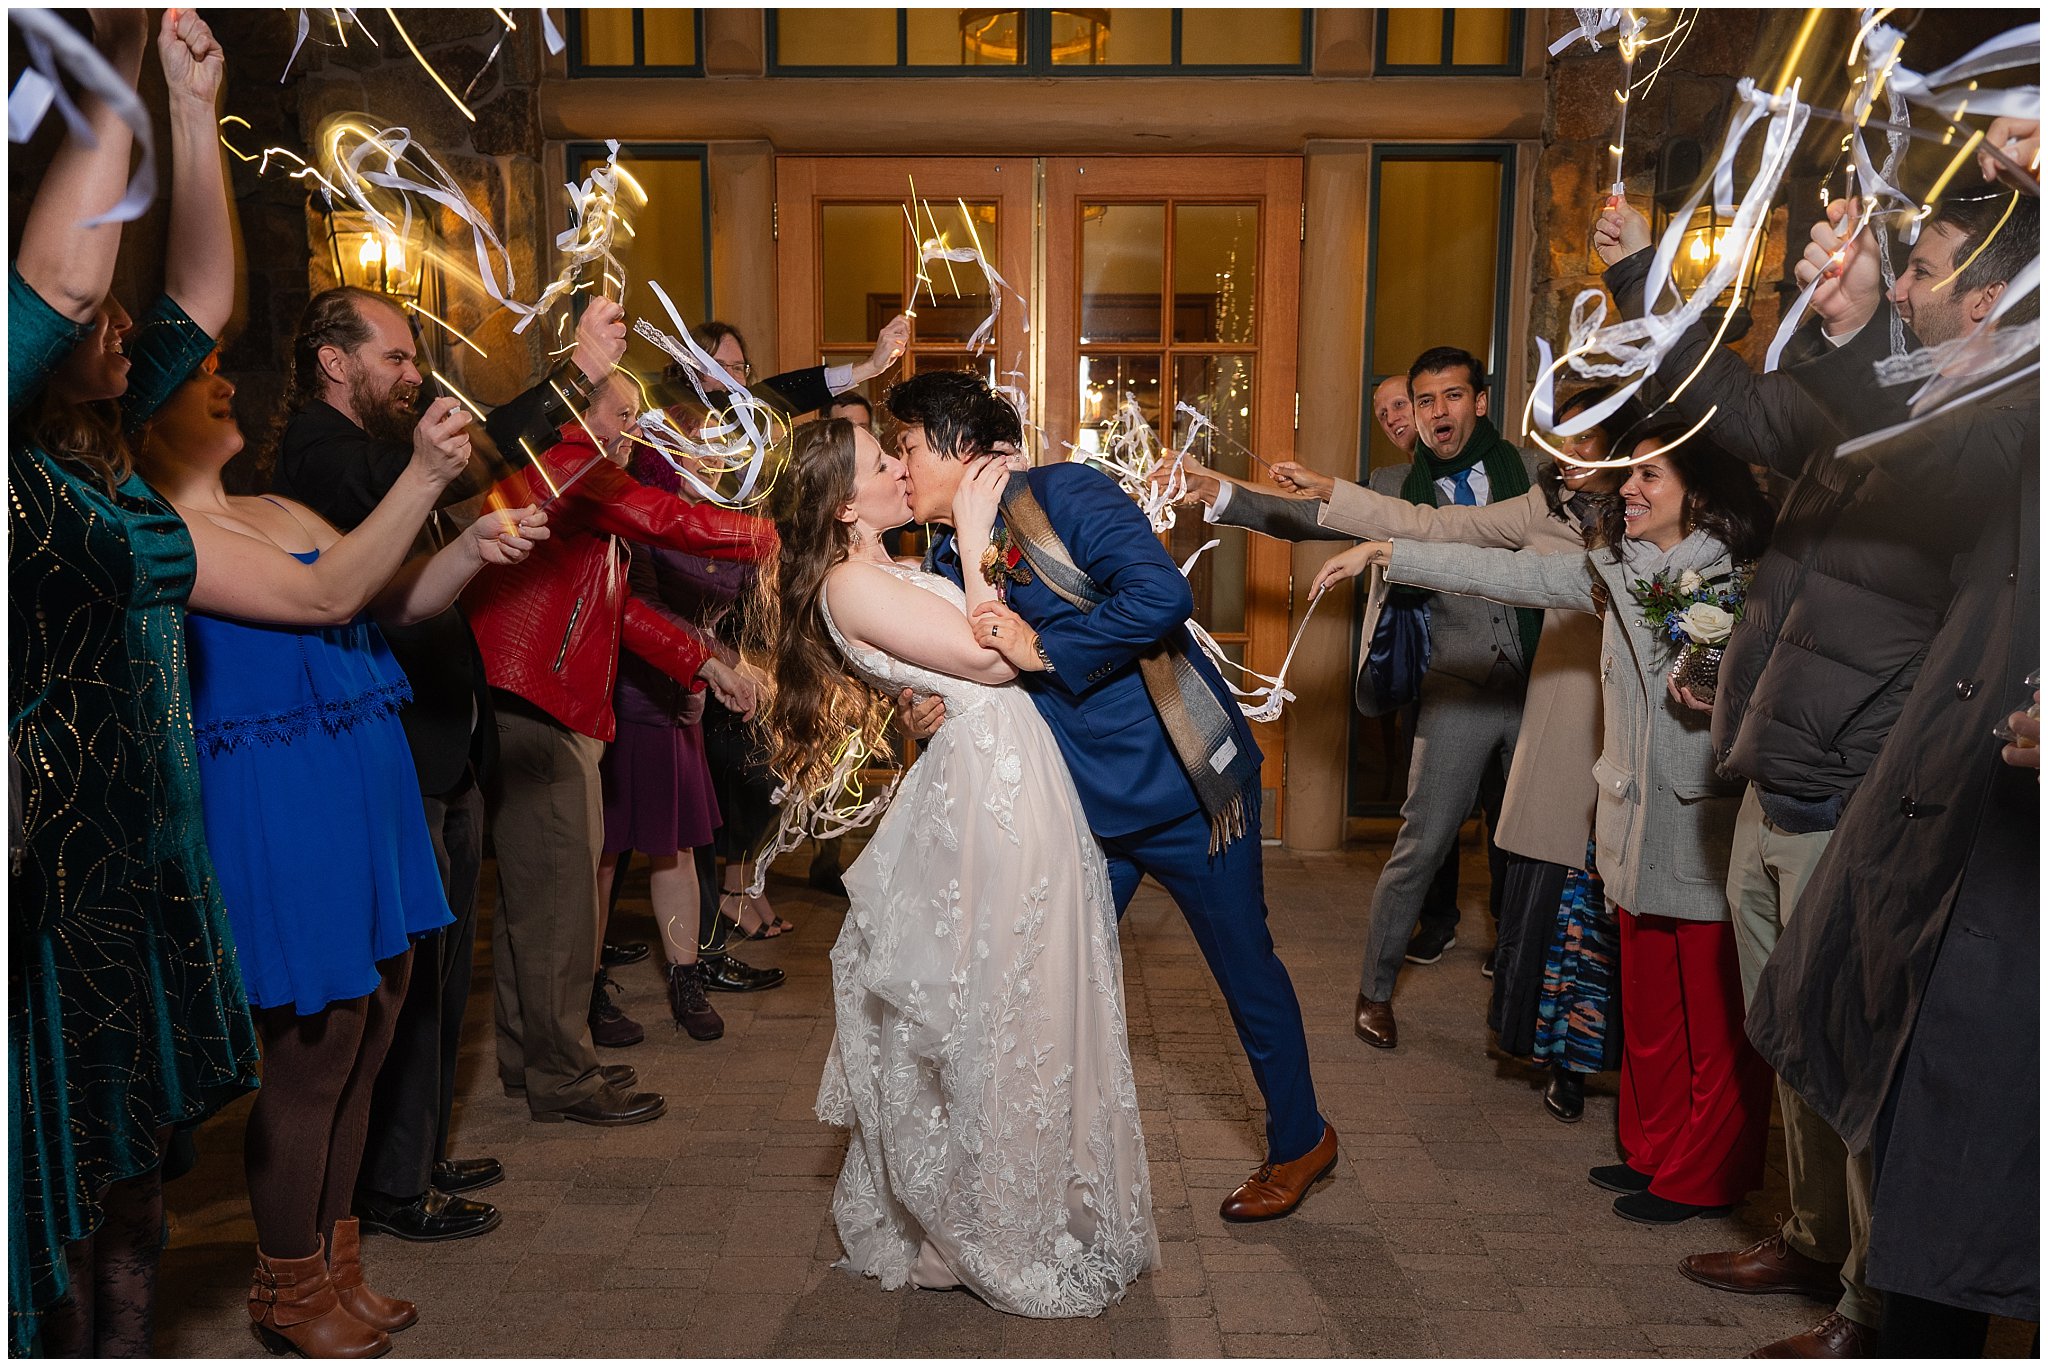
x=1578, y=1023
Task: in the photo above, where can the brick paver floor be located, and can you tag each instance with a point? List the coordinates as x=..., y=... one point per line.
x=1459, y=1221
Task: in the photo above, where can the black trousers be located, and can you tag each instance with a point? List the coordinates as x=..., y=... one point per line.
x=415, y=1091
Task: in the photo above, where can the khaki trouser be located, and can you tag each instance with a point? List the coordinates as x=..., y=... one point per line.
x=1830, y=1219
x=547, y=825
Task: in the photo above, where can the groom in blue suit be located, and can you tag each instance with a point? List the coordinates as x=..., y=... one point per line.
x=1140, y=777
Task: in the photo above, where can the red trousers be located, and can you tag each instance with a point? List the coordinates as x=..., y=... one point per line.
x=1695, y=1097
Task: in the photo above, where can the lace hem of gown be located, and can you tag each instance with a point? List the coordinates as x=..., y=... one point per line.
x=334, y=717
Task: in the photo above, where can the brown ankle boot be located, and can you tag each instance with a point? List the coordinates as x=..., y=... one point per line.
x=345, y=1270
x=294, y=1308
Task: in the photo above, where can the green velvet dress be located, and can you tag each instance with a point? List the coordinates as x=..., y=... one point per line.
x=126, y=1013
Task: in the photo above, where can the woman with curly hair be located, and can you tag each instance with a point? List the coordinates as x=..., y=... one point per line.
x=980, y=1059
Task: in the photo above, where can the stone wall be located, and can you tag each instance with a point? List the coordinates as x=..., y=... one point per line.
x=495, y=160
x=1692, y=98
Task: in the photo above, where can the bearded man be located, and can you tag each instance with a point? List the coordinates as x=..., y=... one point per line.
x=352, y=411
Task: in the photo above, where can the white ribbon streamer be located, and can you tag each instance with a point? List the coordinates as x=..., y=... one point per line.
x=1264, y=703
x=54, y=48
x=1592, y=23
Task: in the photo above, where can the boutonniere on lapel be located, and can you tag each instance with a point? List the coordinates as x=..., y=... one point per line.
x=1003, y=563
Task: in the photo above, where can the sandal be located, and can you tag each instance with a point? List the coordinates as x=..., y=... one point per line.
x=775, y=926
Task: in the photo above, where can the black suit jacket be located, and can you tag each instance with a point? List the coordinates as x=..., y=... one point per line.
x=334, y=467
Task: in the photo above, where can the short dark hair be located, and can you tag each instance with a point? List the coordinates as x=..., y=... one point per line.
x=1449, y=358
x=852, y=399
x=960, y=414
x=1615, y=424
x=2012, y=223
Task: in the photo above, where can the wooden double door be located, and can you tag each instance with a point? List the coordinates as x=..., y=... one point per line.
x=1168, y=281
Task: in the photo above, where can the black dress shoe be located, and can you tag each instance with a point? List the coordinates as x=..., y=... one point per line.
x=467, y=1174
x=723, y=973
x=1646, y=1209
x=428, y=1218
x=617, y=1074
x=617, y=954
x=1619, y=1177
x=1565, y=1097
x=610, y=1105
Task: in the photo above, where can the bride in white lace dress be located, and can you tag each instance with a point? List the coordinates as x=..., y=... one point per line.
x=980, y=1060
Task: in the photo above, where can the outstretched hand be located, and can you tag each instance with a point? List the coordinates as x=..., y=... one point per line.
x=1850, y=287
x=440, y=441
x=600, y=338
x=191, y=56
x=1620, y=231
x=1298, y=479
x=507, y=536
x=1350, y=564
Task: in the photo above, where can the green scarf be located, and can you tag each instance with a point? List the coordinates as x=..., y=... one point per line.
x=1506, y=477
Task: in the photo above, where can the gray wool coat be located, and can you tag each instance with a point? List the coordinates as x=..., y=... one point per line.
x=1664, y=818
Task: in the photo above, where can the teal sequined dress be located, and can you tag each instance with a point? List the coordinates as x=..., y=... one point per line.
x=126, y=1012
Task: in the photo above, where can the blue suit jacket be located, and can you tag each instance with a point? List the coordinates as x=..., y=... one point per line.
x=1115, y=745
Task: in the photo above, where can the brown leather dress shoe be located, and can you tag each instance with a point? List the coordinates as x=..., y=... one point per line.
x=1837, y=1336
x=1277, y=1188
x=1767, y=1267
x=1376, y=1022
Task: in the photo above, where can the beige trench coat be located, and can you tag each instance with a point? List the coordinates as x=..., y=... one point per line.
x=1548, y=811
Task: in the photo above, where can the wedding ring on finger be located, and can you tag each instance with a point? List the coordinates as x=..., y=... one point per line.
x=995, y=631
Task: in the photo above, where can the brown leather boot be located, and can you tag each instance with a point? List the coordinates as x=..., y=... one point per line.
x=345, y=1269
x=294, y=1308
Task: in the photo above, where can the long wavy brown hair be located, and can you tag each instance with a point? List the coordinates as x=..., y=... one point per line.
x=84, y=434
x=817, y=704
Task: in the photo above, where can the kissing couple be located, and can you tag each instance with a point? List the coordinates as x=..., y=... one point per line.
x=980, y=1060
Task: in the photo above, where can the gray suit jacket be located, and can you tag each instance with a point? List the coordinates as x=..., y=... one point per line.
x=1467, y=636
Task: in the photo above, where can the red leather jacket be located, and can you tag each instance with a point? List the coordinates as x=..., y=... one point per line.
x=550, y=629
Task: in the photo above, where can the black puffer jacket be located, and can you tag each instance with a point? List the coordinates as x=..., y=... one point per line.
x=1837, y=617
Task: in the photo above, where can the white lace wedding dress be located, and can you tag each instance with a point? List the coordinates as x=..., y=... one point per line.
x=981, y=1059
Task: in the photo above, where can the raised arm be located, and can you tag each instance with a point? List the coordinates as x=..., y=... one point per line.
x=243, y=577
x=68, y=265
x=875, y=608
x=199, y=264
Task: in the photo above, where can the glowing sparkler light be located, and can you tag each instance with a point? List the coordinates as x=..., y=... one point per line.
x=427, y=66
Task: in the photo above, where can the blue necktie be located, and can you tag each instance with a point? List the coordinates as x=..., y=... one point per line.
x=1461, y=494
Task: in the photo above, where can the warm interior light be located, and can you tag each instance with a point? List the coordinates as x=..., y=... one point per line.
x=1699, y=249
x=367, y=254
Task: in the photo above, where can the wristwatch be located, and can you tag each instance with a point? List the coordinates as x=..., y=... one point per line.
x=1043, y=658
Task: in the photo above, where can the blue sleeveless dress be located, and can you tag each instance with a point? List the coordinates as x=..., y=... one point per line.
x=312, y=805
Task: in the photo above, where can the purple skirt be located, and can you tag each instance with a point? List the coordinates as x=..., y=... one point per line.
x=657, y=790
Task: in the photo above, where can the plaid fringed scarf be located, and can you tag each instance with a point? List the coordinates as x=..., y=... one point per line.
x=1200, y=729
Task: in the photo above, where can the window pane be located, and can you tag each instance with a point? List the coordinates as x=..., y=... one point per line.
x=671, y=36
x=607, y=37
x=1105, y=382
x=1131, y=37
x=965, y=37
x=1220, y=388
x=1081, y=37
x=667, y=244
x=1434, y=273
x=1215, y=271
x=962, y=302
x=1123, y=272
x=1479, y=37
x=860, y=261
x=1415, y=37
x=1240, y=37
x=835, y=37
